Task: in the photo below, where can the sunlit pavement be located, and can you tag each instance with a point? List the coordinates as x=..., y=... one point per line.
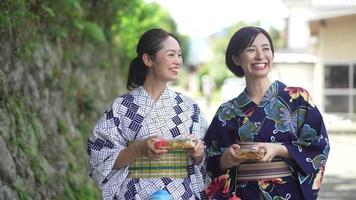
x=339, y=181
x=340, y=174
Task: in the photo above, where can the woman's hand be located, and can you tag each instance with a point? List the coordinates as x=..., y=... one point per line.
x=272, y=150
x=138, y=149
x=198, y=152
x=230, y=157
x=147, y=148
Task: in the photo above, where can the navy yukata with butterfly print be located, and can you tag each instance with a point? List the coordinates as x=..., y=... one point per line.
x=285, y=115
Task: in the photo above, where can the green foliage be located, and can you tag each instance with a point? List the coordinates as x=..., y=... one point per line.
x=49, y=11
x=278, y=41
x=85, y=101
x=3, y=87
x=87, y=36
x=94, y=32
x=20, y=113
x=184, y=44
x=96, y=23
x=216, y=68
x=132, y=21
x=28, y=133
x=62, y=128
x=22, y=193
x=86, y=192
x=68, y=193
x=37, y=164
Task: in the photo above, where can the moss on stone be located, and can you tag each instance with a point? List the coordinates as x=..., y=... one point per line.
x=3, y=87
x=37, y=127
x=37, y=164
x=62, y=127
x=22, y=192
x=80, y=43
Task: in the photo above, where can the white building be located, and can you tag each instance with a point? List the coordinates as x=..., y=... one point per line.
x=321, y=55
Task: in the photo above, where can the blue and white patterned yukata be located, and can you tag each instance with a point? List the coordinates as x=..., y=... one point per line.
x=135, y=116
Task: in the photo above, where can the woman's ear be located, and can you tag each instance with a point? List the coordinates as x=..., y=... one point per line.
x=236, y=60
x=147, y=60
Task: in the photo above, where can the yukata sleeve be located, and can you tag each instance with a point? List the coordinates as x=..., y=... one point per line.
x=199, y=125
x=104, y=145
x=310, y=151
x=214, y=146
x=212, y=155
x=198, y=128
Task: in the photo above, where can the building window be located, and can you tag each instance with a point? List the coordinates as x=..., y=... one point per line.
x=336, y=103
x=336, y=76
x=340, y=88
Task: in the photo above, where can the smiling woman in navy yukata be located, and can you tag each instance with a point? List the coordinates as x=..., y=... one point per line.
x=123, y=159
x=282, y=121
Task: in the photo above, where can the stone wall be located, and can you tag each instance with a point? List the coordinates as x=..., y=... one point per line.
x=50, y=98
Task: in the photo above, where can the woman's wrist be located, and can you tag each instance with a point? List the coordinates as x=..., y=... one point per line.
x=128, y=155
x=283, y=151
x=222, y=163
x=198, y=159
x=137, y=150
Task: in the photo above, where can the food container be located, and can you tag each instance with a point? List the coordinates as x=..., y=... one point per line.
x=250, y=151
x=161, y=195
x=175, y=144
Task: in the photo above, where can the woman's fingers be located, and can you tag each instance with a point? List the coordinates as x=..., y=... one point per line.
x=149, y=148
x=198, y=149
x=270, y=150
x=235, y=146
x=153, y=156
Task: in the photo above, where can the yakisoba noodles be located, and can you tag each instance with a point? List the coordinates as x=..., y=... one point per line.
x=250, y=151
x=175, y=144
x=250, y=155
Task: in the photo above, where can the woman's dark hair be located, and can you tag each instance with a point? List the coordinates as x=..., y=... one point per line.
x=242, y=39
x=150, y=43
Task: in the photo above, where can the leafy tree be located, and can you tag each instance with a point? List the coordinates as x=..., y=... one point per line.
x=133, y=20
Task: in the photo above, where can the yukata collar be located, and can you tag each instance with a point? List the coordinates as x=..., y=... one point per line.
x=144, y=99
x=243, y=99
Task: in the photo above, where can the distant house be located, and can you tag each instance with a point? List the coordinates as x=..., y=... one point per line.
x=321, y=53
x=336, y=52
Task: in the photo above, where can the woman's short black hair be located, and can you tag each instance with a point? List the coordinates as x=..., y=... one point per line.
x=150, y=43
x=242, y=39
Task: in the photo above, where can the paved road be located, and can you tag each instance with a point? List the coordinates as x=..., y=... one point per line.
x=339, y=182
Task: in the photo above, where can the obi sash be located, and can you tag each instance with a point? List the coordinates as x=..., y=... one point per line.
x=253, y=171
x=173, y=164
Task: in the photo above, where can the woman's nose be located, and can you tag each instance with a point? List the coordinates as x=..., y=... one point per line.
x=259, y=54
x=178, y=60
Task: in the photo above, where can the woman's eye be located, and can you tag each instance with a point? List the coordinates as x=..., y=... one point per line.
x=266, y=49
x=250, y=50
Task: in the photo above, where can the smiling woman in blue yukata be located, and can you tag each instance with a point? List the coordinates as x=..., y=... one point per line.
x=124, y=158
x=285, y=132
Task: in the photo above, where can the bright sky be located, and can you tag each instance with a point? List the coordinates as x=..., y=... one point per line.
x=201, y=18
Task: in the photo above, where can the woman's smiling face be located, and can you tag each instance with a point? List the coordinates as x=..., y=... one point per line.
x=256, y=60
x=167, y=61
